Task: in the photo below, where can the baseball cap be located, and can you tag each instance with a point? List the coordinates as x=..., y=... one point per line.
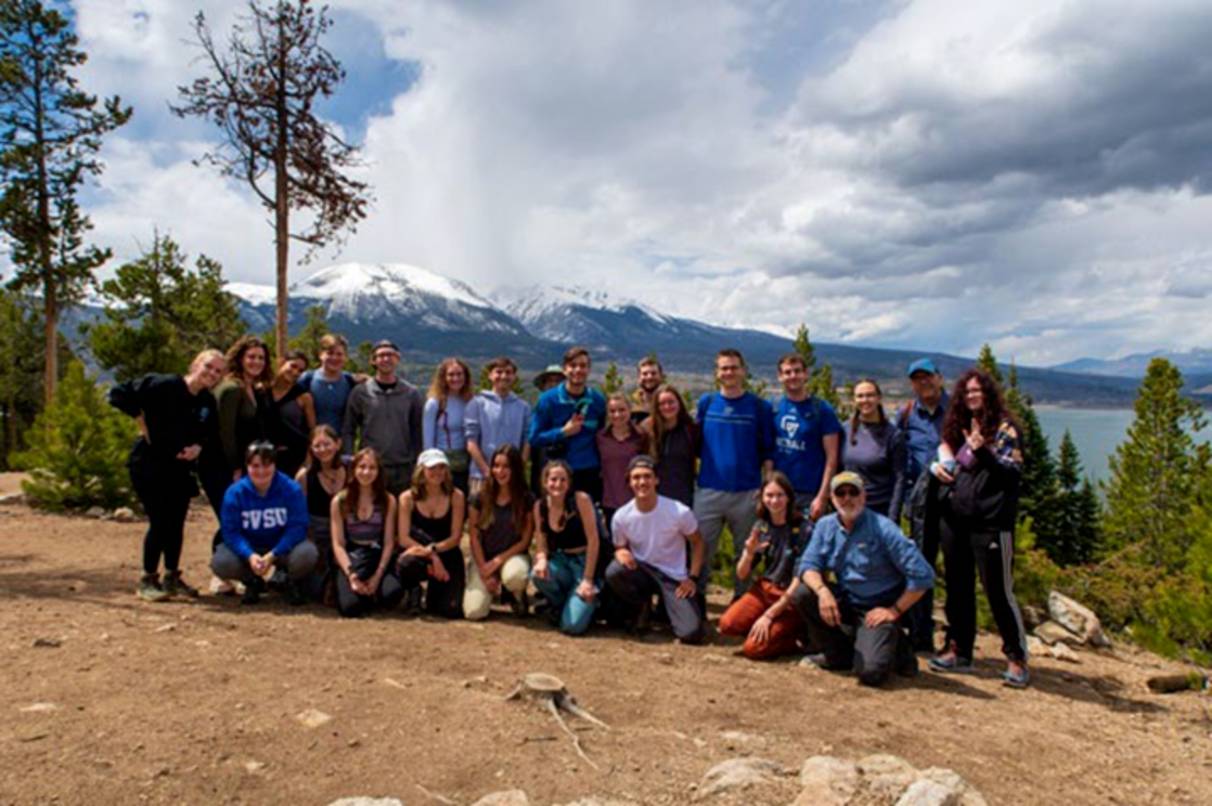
x=847, y=477
x=641, y=460
x=432, y=458
x=922, y=365
x=384, y=344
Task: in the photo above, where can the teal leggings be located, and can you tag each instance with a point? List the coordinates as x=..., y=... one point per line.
x=564, y=573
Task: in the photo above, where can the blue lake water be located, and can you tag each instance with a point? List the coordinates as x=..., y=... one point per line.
x=1096, y=432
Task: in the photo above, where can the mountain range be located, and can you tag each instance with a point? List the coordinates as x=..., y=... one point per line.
x=431, y=316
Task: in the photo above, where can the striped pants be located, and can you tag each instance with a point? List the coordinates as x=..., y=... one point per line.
x=971, y=549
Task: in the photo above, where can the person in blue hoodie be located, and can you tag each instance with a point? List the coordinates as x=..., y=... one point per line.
x=264, y=524
x=566, y=420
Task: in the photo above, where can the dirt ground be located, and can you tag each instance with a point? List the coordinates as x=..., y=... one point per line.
x=110, y=700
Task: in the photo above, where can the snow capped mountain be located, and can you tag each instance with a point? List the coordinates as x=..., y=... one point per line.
x=575, y=313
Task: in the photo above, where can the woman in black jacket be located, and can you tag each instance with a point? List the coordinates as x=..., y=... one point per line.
x=980, y=462
x=177, y=418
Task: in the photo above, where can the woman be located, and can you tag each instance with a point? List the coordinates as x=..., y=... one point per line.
x=764, y=614
x=176, y=420
x=874, y=447
x=442, y=418
x=322, y=476
x=674, y=438
x=618, y=442
x=431, y=526
x=501, y=525
x=292, y=414
x=363, y=540
x=566, y=549
x=241, y=403
x=980, y=464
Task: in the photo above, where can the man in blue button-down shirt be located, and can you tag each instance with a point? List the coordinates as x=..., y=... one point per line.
x=878, y=574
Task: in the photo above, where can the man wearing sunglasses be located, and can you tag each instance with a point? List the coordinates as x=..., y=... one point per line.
x=877, y=574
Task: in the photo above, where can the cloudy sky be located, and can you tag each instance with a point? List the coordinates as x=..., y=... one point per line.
x=925, y=174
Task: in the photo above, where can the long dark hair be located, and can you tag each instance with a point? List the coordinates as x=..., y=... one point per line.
x=235, y=360
x=794, y=516
x=519, y=508
x=659, y=430
x=353, y=488
x=959, y=416
x=854, y=418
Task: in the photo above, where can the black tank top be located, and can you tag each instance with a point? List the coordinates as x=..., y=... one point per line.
x=569, y=539
x=319, y=500
x=426, y=530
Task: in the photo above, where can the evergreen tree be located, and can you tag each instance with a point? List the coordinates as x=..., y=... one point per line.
x=1075, y=536
x=50, y=133
x=21, y=345
x=986, y=362
x=820, y=380
x=262, y=93
x=1158, y=471
x=315, y=327
x=77, y=454
x=612, y=382
x=160, y=313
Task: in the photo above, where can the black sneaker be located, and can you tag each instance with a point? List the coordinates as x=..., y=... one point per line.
x=174, y=585
x=643, y=620
x=149, y=589
x=252, y=591
x=906, y=659
x=294, y=593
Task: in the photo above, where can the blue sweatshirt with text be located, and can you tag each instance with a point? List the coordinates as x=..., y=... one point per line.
x=254, y=524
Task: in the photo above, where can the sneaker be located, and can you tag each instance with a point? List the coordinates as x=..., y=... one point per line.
x=1019, y=679
x=519, y=604
x=906, y=660
x=174, y=585
x=149, y=589
x=953, y=664
x=644, y=619
x=221, y=587
x=412, y=600
x=253, y=591
x=818, y=660
x=294, y=594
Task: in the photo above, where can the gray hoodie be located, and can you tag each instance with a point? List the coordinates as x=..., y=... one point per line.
x=388, y=420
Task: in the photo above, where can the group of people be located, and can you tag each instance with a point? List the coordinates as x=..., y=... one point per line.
x=363, y=492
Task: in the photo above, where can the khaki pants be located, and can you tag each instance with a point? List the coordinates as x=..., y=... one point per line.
x=476, y=598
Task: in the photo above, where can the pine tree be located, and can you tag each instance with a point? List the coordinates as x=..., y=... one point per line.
x=78, y=450
x=1075, y=537
x=315, y=327
x=262, y=93
x=612, y=382
x=987, y=363
x=50, y=134
x=160, y=313
x=820, y=380
x=21, y=345
x=1157, y=472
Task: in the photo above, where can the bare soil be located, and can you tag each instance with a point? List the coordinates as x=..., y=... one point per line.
x=110, y=700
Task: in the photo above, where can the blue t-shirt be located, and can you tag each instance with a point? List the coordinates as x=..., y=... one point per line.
x=737, y=436
x=330, y=397
x=799, y=451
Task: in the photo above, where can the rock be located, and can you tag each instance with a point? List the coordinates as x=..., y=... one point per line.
x=968, y=796
x=312, y=718
x=47, y=643
x=1036, y=646
x=94, y=512
x=124, y=514
x=508, y=797
x=40, y=708
x=12, y=498
x=170, y=627
x=363, y=800
x=1063, y=652
x=1051, y=632
x=1171, y=683
x=827, y=781
x=736, y=773
x=886, y=776
x=1077, y=618
x=1033, y=616
x=594, y=800
x=924, y=792
x=734, y=738
x=252, y=766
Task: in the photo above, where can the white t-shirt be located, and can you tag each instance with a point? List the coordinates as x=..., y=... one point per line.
x=657, y=538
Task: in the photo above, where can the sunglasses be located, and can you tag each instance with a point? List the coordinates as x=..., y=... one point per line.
x=847, y=492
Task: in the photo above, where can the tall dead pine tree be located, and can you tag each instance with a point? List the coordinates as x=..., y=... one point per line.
x=50, y=132
x=261, y=92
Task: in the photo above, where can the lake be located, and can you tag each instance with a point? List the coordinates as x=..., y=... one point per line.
x=1096, y=432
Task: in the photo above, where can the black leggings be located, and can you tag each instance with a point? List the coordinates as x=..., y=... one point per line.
x=165, y=498
x=441, y=598
x=969, y=547
x=365, y=562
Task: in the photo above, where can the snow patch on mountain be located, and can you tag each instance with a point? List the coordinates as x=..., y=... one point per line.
x=540, y=304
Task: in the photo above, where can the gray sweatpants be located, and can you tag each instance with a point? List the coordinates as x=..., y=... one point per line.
x=638, y=585
x=298, y=564
x=873, y=652
x=714, y=508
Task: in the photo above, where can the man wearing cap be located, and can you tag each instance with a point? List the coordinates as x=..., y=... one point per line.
x=877, y=575
x=385, y=414
x=566, y=420
x=921, y=421
x=650, y=533
x=495, y=417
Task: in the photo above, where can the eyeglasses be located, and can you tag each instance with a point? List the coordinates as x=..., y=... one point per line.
x=847, y=492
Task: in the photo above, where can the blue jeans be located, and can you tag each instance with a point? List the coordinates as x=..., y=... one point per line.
x=564, y=573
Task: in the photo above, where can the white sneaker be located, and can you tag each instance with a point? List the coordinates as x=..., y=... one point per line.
x=221, y=587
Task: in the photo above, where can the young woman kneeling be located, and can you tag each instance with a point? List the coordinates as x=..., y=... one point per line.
x=566, y=549
x=501, y=528
x=431, y=526
x=363, y=535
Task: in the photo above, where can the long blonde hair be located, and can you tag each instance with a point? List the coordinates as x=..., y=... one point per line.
x=438, y=389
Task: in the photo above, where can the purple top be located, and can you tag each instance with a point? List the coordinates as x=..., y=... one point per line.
x=615, y=454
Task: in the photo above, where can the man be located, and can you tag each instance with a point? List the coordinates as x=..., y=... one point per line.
x=650, y=533
x=566, y=419
x=264, y=521
x=385, y=413
x=551, y=376
x=737, y=443
x=649, y=376
x=806, y=438
x=494, y=418
x=921, y=422
x=330, y=385
x=877, y=576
